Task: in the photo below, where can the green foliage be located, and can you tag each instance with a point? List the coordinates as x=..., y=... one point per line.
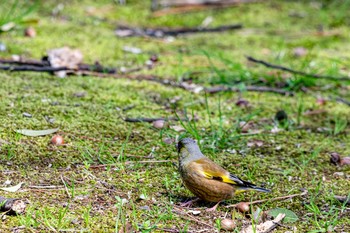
x=14, y=12
x=290, y=216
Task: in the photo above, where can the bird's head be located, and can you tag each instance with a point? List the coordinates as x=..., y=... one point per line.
x=188, y=149
x=185, y=143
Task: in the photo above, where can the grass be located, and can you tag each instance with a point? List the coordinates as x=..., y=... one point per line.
x=102, y=183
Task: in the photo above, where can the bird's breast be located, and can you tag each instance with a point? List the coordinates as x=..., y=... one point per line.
x=204, y=188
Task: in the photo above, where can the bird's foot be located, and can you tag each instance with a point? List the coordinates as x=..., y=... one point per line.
x=213, y=208
x=189, y=203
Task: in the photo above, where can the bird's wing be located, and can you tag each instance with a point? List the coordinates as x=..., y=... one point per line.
x=212, y=171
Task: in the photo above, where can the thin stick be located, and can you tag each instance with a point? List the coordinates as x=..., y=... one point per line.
x=272, y=199
x=178, y=8
x=277, y=67
x=35, y=68
x=44, y=187
x=162, y=32
x=149, y=120
x=341, y=100
x=65, y=187
x=213, y=90
x=344, y=199
x=129, y=162
x=177, y=210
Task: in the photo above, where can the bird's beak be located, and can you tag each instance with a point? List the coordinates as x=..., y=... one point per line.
x=179, y=147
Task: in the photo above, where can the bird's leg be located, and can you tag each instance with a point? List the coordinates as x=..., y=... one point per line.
x=213, y=208
x=189, y=203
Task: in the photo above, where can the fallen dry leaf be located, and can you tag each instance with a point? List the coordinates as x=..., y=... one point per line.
x=35, y=133
x=12, y=188
x=265, y=226
x=177, y=128
x=345, y=161
x=64, y=57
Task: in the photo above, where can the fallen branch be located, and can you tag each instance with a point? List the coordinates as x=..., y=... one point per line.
x=125, y=31
x=195, y=88
x=22, y=62
x=272, y=199
x=277, y=67
x=81, y=67
x=35, y=68
x=12, y=205
x=344, y=199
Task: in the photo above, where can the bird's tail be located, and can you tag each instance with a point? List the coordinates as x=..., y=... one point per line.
x=251, y=187
x=245, y=185
x=256, y=188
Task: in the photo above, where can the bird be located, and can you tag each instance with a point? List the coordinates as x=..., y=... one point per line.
x=207, y=180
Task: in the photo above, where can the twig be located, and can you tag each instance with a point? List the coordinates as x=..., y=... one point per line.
x=183, y=7
x=28, y=65
x=35, y=68
x=144, y=119
x=213, y=90
x=65, y=187
x=345, y=199
x=168, y=230
x=129, y=162
x=12, y=205
x=44, y=187
x=195, y=88
x=162, y=32
x=180, y=212
x=341, y=100
x=272, y=199
x=277, y=67
x=25, y=62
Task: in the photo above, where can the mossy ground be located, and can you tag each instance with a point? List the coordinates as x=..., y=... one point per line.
x=96, y=134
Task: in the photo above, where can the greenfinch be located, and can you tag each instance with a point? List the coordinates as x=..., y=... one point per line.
x=206, y=179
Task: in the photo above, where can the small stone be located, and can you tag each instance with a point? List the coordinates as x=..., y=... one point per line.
x=25, y=114
x=335, y=158
x=2, y=47
x=243, y=207
x=228, y=224
x=177, y=128
x=80, y=94
x=159, y=124
x=242, y=103
x=281, y=116
x=338, y=174
x=142, y=197
x=194, y=212
x=169, y=141
x=300, y=52
x=57, y=140
x=321, y=101
x=145, y=207
x=30, y=32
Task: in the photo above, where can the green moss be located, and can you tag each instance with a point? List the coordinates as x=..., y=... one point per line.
x=96, y=134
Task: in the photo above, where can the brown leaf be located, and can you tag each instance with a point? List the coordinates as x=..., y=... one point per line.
x=344, y=161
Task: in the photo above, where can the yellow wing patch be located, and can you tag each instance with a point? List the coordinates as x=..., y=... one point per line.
x=222, y=178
